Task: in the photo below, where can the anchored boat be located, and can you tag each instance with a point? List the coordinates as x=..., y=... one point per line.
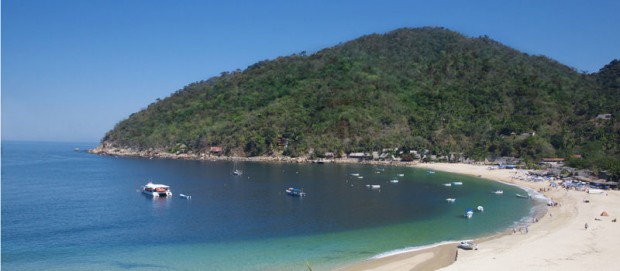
x=156, y=190
x=469, y=213
x=295, y=192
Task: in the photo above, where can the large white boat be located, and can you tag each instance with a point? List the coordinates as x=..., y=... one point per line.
x=156, y=190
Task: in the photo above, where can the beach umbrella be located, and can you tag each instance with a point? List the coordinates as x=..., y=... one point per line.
x=604, y=213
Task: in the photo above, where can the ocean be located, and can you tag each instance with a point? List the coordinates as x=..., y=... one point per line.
x=64, y=209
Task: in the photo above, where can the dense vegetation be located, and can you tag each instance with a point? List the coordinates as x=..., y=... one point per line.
x=425, y=88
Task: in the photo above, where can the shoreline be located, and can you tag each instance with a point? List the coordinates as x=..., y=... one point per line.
x=558, y=241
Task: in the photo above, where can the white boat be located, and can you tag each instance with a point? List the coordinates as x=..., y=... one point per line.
x=595, y=191
x=480, y=209
x=185, y=196
x=401, y=175
x=457, y=183
x=360, y=177
x=236, y=171
x=373, y=186
x=430, y=172
x=156, y=190
x=467, y=245
x=450, y=199
x=469, y=213
x=447, y=184
x=498, y=192
x=394, y=181
x=355, y=174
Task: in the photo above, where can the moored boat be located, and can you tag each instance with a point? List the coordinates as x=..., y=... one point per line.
x=296, y=192
x=457, y=183
x=185, y=196
x=451, y=200
x=498, y=192
x=156, y=190
x=394, y=181
x=447, y=184
x=373, y=186
x=480, y=209
x=469, y=213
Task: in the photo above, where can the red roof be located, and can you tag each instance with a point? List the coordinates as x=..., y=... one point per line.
x=216, y=149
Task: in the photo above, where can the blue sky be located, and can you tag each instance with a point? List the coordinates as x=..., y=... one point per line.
x=72, y=69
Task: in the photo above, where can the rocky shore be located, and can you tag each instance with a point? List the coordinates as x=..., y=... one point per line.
x=106, y=149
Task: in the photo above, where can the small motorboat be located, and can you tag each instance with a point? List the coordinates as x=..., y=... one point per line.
x=185, y=196
x=360, y=177
x=430, y=172
x=394, y=181
x=296, y=192
x=469, y=213
x=447, y=184
x=401, y=175
x=457, y=183
x=498, y=192
x=450, y=200
x=466, y=245
x=373, y=186
x=480, y=209
x=355, y=174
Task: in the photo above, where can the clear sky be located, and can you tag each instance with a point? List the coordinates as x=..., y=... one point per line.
x=72, y=69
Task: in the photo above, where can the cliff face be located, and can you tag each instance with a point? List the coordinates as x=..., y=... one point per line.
x=426, y=88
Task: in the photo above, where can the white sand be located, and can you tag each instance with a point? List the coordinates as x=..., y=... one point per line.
x=559, y=241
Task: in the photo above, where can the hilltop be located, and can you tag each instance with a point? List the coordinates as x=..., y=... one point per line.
x=414, y=89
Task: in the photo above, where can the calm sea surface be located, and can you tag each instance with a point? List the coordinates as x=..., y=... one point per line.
x=69, y=210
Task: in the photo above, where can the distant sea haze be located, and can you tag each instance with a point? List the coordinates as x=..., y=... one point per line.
x=64, y=209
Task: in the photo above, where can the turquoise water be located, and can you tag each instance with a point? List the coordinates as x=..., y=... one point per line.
x=68, y=210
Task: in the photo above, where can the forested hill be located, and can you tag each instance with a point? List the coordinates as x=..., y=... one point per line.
x=423, y=88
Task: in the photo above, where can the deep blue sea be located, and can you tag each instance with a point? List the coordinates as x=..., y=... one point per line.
x=69, y=210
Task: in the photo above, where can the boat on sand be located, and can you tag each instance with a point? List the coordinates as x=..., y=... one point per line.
x=466, y=245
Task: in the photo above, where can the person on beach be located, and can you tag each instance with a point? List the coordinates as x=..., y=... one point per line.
x=586, y=225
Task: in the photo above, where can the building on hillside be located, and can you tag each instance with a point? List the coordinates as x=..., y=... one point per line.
x=215, y=150
x=604, y=116
x=359, y=155
x=552, y=161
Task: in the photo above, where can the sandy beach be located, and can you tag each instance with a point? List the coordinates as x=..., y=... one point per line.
x=558, y=241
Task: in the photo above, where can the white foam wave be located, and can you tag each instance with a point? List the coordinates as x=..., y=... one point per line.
x=411, y=249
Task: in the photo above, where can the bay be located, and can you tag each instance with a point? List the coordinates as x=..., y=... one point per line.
x=69, y=210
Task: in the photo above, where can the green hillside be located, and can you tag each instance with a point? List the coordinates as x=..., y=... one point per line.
x=424, y=88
